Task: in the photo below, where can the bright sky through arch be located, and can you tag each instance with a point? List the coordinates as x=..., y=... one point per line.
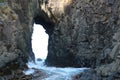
x=39, y=42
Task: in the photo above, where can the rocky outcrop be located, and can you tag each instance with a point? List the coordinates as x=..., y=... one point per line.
x=16, y=27
x=15, y=35
x=12, y=43
x=87, y=35
x=82, y=33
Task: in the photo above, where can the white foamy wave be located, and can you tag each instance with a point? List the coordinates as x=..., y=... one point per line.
x=53, y=72
x=39, y=45
x=29, y=71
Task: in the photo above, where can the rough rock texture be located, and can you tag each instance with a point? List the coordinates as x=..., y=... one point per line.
x=10, y=35
x=16, y=27
x=86, y=35
x=15, y=35
x=82, y=33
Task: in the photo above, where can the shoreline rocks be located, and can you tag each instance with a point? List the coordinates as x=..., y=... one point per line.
x=82, y=33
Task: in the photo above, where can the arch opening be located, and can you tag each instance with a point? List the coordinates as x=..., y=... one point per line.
x=42, y=18
x=39, y=41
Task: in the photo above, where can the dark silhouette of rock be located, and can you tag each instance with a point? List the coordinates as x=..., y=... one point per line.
x=39, y=59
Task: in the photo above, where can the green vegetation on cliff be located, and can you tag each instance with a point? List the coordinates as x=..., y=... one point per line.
x=2, y=1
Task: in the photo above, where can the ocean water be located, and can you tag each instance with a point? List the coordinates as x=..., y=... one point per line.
x=39, y=45
x=54, y=73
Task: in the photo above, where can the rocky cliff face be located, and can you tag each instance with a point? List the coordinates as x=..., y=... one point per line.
x=16, y=27
x=15, y=34
x=82, y=33
x=87, y=35
x=85, y=32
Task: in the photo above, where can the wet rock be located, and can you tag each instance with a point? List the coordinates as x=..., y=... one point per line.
x=16, y=75
x=39, y=59
x=87, y=75
x=39, y=75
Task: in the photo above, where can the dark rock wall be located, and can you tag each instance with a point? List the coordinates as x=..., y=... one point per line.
x=87, y=35
x=10, y=32
x=16, y=19
x=25, y=11
x=16, y=27
x=82, y=33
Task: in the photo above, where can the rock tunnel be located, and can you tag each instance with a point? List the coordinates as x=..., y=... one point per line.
x=82, y=33
x=43, y=19
x=77, y=36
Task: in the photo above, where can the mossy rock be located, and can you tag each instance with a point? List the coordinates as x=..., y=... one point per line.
x=2, y=1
